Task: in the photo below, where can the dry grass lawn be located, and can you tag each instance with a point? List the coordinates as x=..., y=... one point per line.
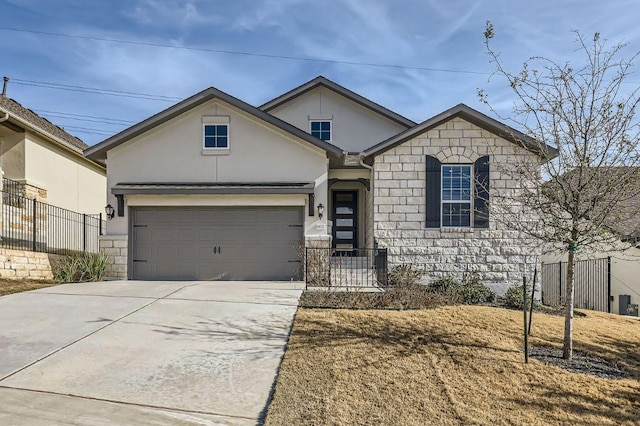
x=17, y=286
x=448, y=366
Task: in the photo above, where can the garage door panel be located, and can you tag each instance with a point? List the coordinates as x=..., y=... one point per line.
x=142, y=269
x=142, y=253
x=186, y=234
x=216, y=243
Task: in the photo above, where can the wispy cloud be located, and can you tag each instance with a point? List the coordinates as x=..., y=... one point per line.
x=433, y=34
x=168, y=13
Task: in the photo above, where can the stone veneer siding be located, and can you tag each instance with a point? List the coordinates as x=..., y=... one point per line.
x=115, y=247
x=497, y=253
x=20, y=264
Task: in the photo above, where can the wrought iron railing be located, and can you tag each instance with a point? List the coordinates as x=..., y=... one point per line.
x=592, y=288
x=10, y=186
x=346, y=268
x=28, y=224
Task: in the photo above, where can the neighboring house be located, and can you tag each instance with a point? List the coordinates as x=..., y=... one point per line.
x=214, y=188
x=48, y=162
x=620, y=276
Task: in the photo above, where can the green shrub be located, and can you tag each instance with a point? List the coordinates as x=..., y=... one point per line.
x=404, y=275
x=444, y=285
x=513, y=298
x=80, y=267
x=469, y=291
x=474, y=292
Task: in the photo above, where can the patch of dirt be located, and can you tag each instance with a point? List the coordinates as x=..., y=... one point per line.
x=579, y=363
x=18, y=286
x=556, y=310
x=401, y=297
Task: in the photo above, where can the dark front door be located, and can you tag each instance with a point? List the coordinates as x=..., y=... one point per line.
x=345, y=219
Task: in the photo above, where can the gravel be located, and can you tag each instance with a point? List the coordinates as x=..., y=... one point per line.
x=580, y=363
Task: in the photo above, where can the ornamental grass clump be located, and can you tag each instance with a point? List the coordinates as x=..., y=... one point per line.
x=81, y=267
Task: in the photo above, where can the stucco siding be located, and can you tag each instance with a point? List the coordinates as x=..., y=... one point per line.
x=12, y=153
x=258, y=152
x=498, y=253
x=71, y=182
x=354, y=127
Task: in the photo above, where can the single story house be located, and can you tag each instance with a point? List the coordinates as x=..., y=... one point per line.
x=215, y=188
x=47, y=163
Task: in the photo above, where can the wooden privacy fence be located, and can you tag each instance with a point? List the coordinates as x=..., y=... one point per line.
x=592, y=284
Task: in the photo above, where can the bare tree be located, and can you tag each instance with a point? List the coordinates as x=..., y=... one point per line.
x=577, y=199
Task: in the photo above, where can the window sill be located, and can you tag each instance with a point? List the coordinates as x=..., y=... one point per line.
x=216, y=151
x=456, y=229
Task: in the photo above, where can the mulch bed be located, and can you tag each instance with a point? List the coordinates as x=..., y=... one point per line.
x=580, y=363
x=556, y=310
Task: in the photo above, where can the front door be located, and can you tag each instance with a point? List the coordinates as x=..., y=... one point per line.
x=345, y=219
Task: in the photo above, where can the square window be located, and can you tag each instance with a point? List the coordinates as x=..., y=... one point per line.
x=216, y=136
x=456, y=195
x=321, y=129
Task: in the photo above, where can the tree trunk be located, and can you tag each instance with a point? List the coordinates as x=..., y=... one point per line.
x=567, y=348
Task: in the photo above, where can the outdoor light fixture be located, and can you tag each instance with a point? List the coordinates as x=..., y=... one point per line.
x=320, y=210
x=110, y=211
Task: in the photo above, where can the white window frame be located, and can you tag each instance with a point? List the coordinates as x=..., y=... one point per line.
x=320, y=120
x=443, y=201
x=216, y=120
x=204, y=137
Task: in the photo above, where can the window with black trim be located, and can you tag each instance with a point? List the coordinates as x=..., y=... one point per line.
x=216, y=136
x=321, y=129
x=456, y=195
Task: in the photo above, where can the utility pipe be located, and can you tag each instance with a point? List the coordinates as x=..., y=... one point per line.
x=373, y=194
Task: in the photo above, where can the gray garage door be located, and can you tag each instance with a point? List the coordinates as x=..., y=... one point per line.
x=194, y=243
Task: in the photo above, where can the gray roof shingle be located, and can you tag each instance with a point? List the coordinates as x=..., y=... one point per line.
x=14, y=108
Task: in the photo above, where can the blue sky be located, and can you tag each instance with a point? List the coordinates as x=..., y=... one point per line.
x=434, y=34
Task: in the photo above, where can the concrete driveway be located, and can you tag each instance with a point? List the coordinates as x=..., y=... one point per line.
x=144, y=353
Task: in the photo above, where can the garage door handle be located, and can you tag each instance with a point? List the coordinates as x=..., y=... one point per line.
x=138, y=260
x=217, y=250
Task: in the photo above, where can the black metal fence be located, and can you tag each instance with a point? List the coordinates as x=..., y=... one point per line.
x=346, y=268
x=28, y=224
x=11, y=186
x=592, y=289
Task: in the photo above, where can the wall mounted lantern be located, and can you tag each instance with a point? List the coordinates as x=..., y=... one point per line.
x=320, y=210
x=110, y=211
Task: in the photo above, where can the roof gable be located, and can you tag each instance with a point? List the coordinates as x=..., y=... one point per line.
x=321, y=81
x=471, y=115
x=27, y=117
x=99, y=151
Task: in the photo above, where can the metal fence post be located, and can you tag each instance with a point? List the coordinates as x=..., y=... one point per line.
x=560, y=298
x=84, y=233
x=100, y=224
x=35, y=221
x=609, y=284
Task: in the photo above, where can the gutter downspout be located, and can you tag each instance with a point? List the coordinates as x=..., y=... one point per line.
x=373, y=194
x=2, y=119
